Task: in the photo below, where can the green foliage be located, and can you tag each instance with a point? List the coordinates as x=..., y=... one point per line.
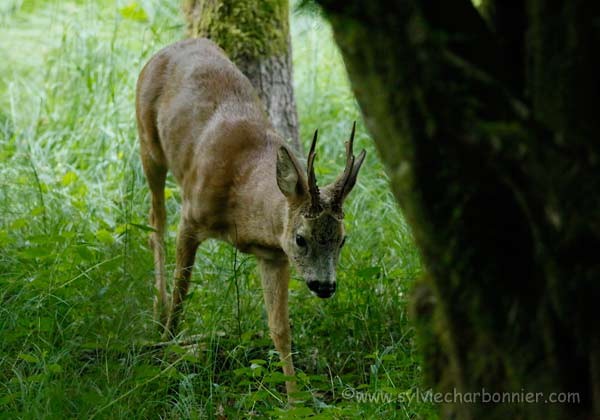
x=244, y=29
x=134, y=11
x=76, y=273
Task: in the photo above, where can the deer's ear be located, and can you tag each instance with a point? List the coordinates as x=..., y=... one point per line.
x=289, y=178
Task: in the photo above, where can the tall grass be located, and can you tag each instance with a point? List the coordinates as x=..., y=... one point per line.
x=76, y=272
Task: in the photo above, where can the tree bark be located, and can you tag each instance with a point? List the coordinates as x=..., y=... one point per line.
x=255, y=34
x=490, y=133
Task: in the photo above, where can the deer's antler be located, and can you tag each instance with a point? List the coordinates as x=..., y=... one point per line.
x=346, y=180
x=313, y=189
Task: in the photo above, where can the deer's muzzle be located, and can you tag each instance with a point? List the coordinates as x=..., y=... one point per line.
x=322, y=289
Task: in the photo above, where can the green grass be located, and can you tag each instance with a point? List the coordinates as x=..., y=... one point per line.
x=76, y=272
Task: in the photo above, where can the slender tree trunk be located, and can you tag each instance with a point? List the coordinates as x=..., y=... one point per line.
x=255, y=34
x=490, y=132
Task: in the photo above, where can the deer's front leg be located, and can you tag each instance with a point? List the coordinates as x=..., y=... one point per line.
x=275, y=277
x=187, y=245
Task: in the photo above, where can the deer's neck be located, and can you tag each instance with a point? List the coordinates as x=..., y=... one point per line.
x=261, y=209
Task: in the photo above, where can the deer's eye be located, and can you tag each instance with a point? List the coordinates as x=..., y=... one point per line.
x=343, y=242
x=300, y=241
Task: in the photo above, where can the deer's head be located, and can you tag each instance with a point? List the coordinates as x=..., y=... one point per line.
x=314, y=228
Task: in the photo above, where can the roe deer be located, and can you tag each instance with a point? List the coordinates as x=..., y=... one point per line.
x=199, y=116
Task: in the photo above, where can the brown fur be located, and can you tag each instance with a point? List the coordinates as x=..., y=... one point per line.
x=199, y=117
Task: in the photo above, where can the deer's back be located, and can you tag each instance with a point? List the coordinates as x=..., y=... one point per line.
x=198, y=103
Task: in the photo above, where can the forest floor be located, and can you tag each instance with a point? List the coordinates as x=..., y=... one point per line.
x=76, y=279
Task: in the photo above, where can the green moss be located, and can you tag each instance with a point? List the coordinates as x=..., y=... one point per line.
x=244, y=29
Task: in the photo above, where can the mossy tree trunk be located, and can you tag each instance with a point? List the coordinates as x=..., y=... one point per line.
x=488, y=124
x=255, y=34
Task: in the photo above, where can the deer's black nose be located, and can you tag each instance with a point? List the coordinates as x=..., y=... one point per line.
x=323, y=290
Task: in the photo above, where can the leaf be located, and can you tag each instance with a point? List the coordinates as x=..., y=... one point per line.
x=171, y=372
x=145, y=228
x=68, y=178
x=146, y=371
x=34, y=252
x=19, y=223
x=105, y=237
x=300, y=412
x=84, y=252
x=247, y=336
x=80, y=191
x=189, y=357
x=36, y=378
x=29, y=358
x=7, y=399
x=4, y=238
x=368, y=272
x=134, y=11
x=90, y=345
x=54, y=368
x=44, y=324
x=121, y=229
x=391, y=390
x=92, y=398
x=37, y=210
x=278, y=377
x=176, y=349
x=242, y=371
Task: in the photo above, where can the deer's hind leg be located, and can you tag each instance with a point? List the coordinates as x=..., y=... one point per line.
x=158, y=220
x=155, y=169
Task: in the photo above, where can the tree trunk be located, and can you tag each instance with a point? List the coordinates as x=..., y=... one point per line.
x=490, y=133
x=255, y=34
